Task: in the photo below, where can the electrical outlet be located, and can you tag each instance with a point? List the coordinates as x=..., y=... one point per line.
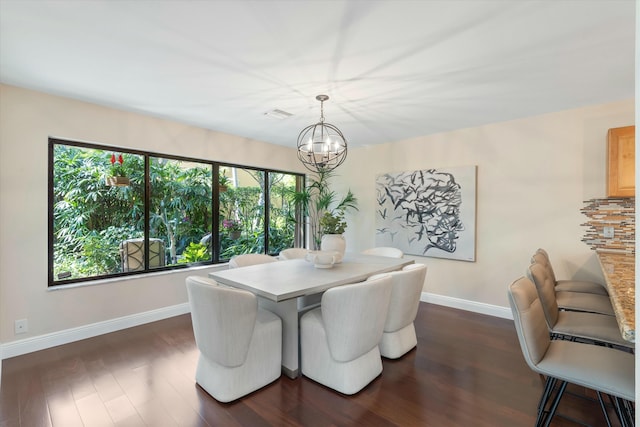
x=608, y=232
x=21, y=326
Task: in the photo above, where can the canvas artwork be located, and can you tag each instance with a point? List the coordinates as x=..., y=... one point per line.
x=430, y=212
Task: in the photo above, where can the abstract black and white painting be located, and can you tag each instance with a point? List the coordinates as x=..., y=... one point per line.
x=430, y=212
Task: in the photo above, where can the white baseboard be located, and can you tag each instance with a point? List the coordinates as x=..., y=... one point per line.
x=476, y=307
x=41, y=342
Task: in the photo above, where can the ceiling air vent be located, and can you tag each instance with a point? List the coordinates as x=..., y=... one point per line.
x=278, y=114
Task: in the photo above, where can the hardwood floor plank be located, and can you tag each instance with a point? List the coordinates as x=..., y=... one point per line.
x=107, y=386
x=120, y=409
x=93, y=411
x=132, y=421
x=63, y=410
x=467, y=370
x=32, y=402
x=153, y=413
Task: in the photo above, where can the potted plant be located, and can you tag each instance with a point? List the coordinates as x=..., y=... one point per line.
x=316, y=200
x=223, y=182
x=117, y=177
x=333, y=223
x=232, y=227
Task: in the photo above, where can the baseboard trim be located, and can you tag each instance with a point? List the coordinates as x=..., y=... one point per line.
x=476, y=307
x=41, y=342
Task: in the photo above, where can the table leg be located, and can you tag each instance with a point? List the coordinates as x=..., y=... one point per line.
x=288, y=312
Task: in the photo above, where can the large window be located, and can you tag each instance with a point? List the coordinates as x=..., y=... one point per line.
x=116, y=212
x=251, y=199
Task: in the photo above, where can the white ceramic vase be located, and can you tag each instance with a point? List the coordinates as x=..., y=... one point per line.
x=334, y=242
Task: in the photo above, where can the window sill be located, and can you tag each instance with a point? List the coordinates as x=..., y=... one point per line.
x=214, y=267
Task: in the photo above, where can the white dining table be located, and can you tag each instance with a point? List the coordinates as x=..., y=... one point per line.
x=280, y=284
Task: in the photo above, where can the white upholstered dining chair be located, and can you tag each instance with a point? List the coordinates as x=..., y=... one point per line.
x=399, y=334
x=339, y=340
x=250, y=259
x=240, y=344
x=293, y=253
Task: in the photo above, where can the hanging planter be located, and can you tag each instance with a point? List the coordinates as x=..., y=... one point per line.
x=223, y=183
x=117, y=177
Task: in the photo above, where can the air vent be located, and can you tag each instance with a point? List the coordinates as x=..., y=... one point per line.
x=278, y=114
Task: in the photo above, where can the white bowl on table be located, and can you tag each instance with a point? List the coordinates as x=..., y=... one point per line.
x=323, y=259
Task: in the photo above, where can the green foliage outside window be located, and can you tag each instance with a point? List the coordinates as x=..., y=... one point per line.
x=91, y=218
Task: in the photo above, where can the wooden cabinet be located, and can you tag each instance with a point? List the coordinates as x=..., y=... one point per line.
x=621, y=170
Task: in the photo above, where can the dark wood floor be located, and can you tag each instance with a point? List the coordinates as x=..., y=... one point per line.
x=467, y=371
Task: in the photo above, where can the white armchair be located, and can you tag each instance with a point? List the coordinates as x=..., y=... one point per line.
x=250, y=259
x=339, y=340
x=240, y=344
x=293, y=253
x=399, y=334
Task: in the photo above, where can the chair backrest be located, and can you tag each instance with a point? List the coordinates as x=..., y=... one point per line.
x=539, y=275
x=132, y=254
x=528, y=317
x=223, y=320
x=250, y=259
x=405, y=296
x=384, y=251
x=354, y=315
x=542, y=257
x=293, y=253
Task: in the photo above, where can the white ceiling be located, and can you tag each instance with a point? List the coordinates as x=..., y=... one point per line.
x=393, y=69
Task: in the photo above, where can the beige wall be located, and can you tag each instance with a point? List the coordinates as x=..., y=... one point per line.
x=533, y=175
x=27, y=119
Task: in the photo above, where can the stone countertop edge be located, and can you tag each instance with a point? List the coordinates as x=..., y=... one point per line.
x=619, y=273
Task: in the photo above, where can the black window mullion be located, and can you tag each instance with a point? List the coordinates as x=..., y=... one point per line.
x=301, y=226
x=267, y=208
x=51, y=201
x=215, y=213
x=147, y=202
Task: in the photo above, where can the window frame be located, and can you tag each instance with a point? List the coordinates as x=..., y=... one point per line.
x=299, y=231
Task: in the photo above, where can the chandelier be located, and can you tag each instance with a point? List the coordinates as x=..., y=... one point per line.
x=321, y=146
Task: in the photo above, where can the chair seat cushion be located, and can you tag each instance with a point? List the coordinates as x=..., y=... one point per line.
x=590, y=326
x=615, y=377
x=581, y=286
x=585, y=302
